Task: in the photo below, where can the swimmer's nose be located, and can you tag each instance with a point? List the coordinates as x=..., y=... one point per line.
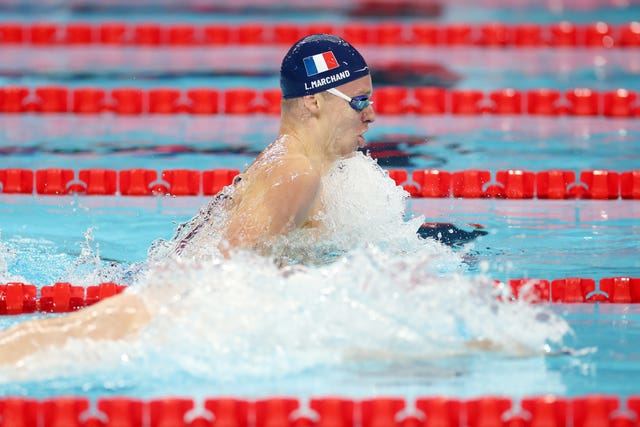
x=369, y=114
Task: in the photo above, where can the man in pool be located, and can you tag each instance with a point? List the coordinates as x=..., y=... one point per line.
x=326, y=110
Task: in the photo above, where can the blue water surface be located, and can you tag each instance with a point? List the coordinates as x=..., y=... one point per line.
x=44, y=238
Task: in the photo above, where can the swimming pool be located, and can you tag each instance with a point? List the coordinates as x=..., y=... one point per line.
x=45, y=239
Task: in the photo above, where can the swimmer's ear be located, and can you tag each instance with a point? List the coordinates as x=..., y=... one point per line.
x=312, y=102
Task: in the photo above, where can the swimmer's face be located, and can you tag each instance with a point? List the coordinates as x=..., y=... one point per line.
x=348, y=124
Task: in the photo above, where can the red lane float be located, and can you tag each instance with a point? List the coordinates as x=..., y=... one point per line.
x=61, y=297
x=440, y=411
x=469, y=184
x=18, y=298
x=88, y=101
x=592, y=410
x=430, y=100
x=16, y=181
x=630, y=184
x=580, y=411
x=491, y=34
x=486, y=411
x=333, y=411
x=20, y=411
x=554, y=184
x=169, y=412
x=215, y=180
x=53, y=181
x=137, y=182
x=392, y=100
x=508, y=184
x=230, y=411
x=431, y=183
x=52, y=99
x=63, y=411
x=519, y=184
x=380, y=411
x=182, y=181
x=98, y=181
x=547, y=410
x=574, y=289
x=531, y=290
x=620, y=290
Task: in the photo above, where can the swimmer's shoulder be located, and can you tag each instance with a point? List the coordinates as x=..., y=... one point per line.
x=294, y=177
x=300, y=167
x=289, y=165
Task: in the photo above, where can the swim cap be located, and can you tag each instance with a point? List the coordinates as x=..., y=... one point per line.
x=319, y=62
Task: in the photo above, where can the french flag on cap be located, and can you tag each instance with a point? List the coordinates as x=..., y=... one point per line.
x=319, y=63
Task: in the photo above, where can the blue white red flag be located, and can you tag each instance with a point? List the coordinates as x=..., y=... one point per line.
x=319, y=63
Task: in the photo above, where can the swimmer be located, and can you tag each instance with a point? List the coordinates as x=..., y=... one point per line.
x=326, y=110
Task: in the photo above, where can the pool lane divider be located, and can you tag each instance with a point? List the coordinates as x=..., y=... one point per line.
x=389, y=100
x=419, y=183
x=63, y=297
x=563, y=34
x=484, y=411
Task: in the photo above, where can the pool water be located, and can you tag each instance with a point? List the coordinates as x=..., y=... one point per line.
x=592, y=239
x=605, y=336
x=371, y=334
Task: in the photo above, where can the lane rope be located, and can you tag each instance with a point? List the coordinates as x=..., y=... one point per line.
x=419, y=183
x=390, y=100
x=63, y=297
x=520, y=35
x=579, y=411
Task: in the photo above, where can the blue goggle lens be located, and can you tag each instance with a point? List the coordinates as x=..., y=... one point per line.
x=359, y=103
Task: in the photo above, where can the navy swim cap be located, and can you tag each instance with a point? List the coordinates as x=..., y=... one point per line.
x=319, y=62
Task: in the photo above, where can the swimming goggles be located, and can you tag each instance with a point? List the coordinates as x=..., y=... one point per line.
x=358, y=103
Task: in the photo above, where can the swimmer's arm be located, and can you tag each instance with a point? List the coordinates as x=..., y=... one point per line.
x=113, y=318
x=288, y=198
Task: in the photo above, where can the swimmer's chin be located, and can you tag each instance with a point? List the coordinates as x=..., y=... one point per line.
x=352, y=154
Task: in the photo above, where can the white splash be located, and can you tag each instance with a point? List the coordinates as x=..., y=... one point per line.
x=387, y=295
x=7, y=257
x=88, y=268
x=23, y=258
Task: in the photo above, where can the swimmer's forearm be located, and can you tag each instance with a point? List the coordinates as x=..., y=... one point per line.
x=24, y=339
x=111, y=319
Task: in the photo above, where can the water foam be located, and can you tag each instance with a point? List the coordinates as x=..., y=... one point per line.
x=381, y=294
x=7, y=258
x=41, y=261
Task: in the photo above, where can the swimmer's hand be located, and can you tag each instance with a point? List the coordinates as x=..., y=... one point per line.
x=450, y=234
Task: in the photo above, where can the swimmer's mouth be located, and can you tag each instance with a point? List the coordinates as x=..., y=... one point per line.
x=361, y=138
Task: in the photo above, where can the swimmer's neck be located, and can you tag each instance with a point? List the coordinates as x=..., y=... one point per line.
x=310, y=145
